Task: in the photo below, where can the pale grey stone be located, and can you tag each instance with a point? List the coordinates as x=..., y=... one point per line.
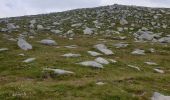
x=93, y=53
x=158, y=96
x=138, y=52
x=24, y=44
x=102, y=48
x=101, y=60
x=48, y=42
x=3, y=49
x=59, y=71
x=29, y=60
x=91, y=64
x=71, y=55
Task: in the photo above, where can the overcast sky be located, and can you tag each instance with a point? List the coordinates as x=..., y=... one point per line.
x=9, y=8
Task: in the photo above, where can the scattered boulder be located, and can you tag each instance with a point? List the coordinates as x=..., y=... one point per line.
x=100, y=83
x=48, y=42
x=135, y=67
x=144, y=35
x=40, y=27
x=11, y=26
x=29, y=60
x=88, y=31
x=59, y=71
x=24, y=44
x=3, y=49
x=56, y=31
x=159, y=71
x=138, y=52
x=94, y=54
x=158, y=96
x=101, y=60
x=123, y=21
x=151, y=63
x=91, y=64
x=102, y=48
x=121, y=45
x=164, y=40
x=71, y=46
x=71, y=55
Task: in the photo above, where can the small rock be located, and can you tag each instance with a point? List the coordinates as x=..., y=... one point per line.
x=93, y=53
x=29, y=60
x=3, y=49
x=71, y=46
x=121, y=45
x=59, y=71
x=123, y=21
x=134, y=67
x=151, y=63
x=88, y=31
x=48, y=42
x=112, y=61
x=138, y=52
x=71, y=55
x=100, y=83
x=159, y=71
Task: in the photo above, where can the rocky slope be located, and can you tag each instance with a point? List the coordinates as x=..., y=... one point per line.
x=113, y=52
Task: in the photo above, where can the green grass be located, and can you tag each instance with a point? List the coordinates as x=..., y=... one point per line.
x=29, y=82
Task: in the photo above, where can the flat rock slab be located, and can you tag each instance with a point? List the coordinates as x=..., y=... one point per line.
x=94, y=54
x=138, y=52
x=91, y=64
x=102, y=48
x=3, y=49
x=59, y=71
x=71, y=55
x=48, y=42
x=71, y=46
x=121, y=45
x=101, y=60
x=159, y=71
x=29, y=60
x=151, y=63
x=135, y=67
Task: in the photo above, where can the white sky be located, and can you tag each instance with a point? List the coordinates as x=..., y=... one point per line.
x=10, y=8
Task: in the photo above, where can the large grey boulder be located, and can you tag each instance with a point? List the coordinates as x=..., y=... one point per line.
x=101, y=60
x=48, y=42
x=158, y=96
x=11, y=26
x=145, y=35
x=164, y=40
x=91, y=64
x=23, y=44
x=102, y=48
